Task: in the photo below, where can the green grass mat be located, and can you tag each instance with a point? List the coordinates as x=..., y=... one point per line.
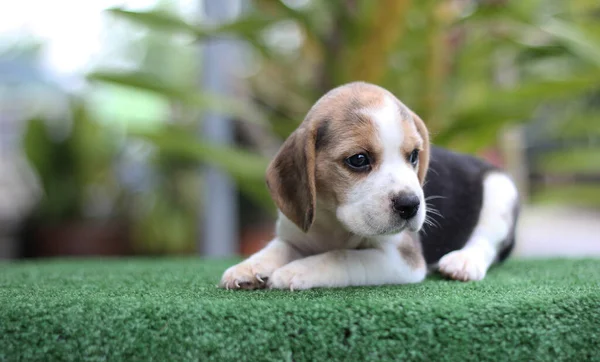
x=170, y=310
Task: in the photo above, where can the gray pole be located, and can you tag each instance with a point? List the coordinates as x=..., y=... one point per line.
x=219, y=235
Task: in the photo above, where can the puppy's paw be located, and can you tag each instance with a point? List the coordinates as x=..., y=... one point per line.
x=247, y=275
x=292, y=276
x=462, y=265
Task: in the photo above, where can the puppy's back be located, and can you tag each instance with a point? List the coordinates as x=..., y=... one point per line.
x=454, y=194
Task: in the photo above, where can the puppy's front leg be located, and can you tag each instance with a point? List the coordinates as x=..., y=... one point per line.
x=342, y=268
x=254, y=272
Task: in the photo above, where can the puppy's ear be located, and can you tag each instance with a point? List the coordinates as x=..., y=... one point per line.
x=424, y=154
x=291, y=178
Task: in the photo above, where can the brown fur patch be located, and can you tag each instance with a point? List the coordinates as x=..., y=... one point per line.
x=412, y=137
x=424, y=154
x=410, y=250
x=291, y=178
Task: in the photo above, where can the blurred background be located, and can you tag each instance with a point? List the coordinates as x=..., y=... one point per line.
x=144, y=127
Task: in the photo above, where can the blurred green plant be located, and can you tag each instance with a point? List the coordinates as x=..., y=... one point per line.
x=167, y=219
x=73, y=159
x=468, y=68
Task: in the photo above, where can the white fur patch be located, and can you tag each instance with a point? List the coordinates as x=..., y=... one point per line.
x=387, y=121
x=342, y=268
x=495, y=221
x=367, y=210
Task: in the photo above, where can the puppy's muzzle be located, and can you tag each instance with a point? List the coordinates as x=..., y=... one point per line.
x=406, y=205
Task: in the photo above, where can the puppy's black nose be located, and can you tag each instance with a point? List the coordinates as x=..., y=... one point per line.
x=406, y=205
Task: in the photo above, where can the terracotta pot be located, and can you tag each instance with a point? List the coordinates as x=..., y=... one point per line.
x=81, y=238
x=254, y=238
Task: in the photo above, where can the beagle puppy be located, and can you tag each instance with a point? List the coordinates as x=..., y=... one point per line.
x=364, y=199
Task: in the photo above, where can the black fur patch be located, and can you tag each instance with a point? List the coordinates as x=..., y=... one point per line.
x=454, y=186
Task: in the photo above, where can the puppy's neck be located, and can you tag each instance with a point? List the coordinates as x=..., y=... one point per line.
x=325, y=234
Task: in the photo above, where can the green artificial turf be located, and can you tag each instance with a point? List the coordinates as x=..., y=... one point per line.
x=171, y=310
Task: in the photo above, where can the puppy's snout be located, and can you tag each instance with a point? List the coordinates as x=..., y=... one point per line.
x=406, y=205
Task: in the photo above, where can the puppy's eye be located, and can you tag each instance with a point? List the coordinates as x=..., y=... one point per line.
x=358, y=162
x=413, y=158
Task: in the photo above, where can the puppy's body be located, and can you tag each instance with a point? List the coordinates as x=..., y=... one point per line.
x=473, y=207
x=365, y=200
x=454, y=191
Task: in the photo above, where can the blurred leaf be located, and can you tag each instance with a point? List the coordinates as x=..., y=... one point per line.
x=247, y=24
x=161, y=20
x=518, y=102
x=246, y=168
x=577, y=40
x=38, y=147
x=545, y=90
x=206, y=101
x=248, y=27
x=482, y=121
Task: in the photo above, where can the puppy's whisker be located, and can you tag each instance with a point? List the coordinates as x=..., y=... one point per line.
x=428, y=221
x=428, y=225
x=432, y=210
x=430, y=204
x=436, y=213
x=436, y=221
x=431, y=169
x=432, y=222
x=433, y=197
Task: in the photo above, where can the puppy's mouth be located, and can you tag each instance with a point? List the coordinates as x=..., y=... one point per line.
x=413, y=225
x=394, y=228
x=401, y=225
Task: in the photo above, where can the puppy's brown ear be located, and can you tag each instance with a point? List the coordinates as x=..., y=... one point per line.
x=424, y=154
x=291, y=178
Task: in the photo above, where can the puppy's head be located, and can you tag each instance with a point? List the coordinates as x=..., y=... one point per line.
x=361, y=154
